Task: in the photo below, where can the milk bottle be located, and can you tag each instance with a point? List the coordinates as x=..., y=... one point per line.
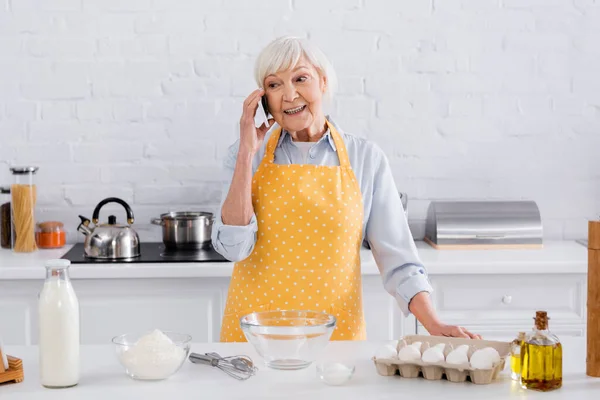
x=58, y=328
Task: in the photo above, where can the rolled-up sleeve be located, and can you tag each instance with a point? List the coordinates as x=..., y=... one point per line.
x=233, y=242
x=391, y=241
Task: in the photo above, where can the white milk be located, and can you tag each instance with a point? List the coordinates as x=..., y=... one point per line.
x=58, y=328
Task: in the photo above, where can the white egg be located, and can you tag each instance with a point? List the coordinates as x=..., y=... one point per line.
x=387, y=351
x=440, y=346
x=410, y=353
x=434, y=354
x=485, y=358
x=417, y=345
x=458, y=355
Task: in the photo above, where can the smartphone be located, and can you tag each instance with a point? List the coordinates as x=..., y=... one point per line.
x=263, y=100
x=262, y=113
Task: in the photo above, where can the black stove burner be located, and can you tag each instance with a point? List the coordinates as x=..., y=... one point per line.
x=150, y=253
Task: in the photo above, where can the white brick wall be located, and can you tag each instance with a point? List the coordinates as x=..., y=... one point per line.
x=470, y=99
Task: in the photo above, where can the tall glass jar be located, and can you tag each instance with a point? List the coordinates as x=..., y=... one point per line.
x=59, y=334
x=24, y=197
x=5, y=225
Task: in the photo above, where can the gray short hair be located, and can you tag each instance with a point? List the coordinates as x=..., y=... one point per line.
x=285, y=52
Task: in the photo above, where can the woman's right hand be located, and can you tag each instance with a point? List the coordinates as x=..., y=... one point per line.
x=251, y=138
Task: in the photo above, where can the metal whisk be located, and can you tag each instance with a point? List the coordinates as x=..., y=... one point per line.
x=239, y=367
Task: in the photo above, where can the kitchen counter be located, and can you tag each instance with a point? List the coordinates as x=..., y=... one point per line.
x=492, y=292
x=103, y=378
x=557, y=257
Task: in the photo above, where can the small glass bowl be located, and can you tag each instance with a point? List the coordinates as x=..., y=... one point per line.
x=146, y=362
x=335, y=374
x=288, y=339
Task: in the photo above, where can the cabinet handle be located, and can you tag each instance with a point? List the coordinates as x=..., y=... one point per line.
x=506, y=299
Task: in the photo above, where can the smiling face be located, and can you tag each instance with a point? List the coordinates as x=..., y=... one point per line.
x=295, y=97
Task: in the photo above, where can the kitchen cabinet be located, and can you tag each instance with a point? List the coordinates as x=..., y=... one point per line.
x=494, y=306
x=494, y=293
x=110, y=307
x=498, y=306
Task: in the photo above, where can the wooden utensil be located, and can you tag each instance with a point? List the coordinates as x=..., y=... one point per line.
x=593, y=300
x=14, y=373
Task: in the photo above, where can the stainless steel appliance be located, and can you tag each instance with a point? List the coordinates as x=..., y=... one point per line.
x=483, y=224
x=185, y=229
x=149, y=253
x=186, y=238
x=110, y=240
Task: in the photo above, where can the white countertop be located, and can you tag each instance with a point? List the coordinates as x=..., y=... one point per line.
x=103, y=378
x=555, y=258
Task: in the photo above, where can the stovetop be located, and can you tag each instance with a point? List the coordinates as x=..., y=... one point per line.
x=150, y=253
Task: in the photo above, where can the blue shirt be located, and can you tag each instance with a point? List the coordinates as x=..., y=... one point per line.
x=385, y=227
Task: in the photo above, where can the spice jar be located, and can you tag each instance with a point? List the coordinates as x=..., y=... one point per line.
x=23, y=198
x=50, y=235
x=5, y=225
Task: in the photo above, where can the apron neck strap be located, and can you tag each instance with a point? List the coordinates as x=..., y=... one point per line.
x=337, y=139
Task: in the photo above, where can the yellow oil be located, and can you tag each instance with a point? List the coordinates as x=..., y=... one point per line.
x=515, y=366
x=541, y=367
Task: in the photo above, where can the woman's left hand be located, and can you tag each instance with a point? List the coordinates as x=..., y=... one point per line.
x=452, y=331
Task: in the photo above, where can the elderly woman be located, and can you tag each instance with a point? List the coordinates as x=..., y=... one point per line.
x=299, y=200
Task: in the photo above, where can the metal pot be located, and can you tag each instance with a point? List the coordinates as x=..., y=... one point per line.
x=185, y=230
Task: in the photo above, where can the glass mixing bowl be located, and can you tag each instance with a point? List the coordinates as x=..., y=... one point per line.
x=152, y=360
x=288, y=339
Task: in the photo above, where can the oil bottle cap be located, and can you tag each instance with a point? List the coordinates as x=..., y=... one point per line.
x=541, y=320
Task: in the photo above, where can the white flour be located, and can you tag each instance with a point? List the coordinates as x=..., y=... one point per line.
x=154, y=356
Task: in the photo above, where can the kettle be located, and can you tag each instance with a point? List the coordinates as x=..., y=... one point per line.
x=111, y=240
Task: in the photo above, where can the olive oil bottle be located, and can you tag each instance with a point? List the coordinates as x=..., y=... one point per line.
x=541, y=357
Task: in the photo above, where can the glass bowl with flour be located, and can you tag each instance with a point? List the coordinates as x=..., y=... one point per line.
x=152, y=355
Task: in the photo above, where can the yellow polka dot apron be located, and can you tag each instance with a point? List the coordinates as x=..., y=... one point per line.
x=307, y=252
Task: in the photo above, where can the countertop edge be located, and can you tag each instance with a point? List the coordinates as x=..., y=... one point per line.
x=557, y=257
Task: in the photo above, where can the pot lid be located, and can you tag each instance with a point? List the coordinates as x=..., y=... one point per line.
x=186, y=215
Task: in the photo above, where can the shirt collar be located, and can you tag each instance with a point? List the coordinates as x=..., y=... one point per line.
x=327, y=136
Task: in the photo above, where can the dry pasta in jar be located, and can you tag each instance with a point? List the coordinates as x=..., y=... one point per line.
x=23, y=201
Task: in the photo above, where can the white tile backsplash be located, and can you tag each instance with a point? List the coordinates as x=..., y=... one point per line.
x=470, y=99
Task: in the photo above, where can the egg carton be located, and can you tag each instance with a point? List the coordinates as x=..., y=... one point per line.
x=436, y=371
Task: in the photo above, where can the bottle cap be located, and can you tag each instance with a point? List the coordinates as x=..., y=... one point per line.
x=541, y=320
x=58, y=263
x=23, y=170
